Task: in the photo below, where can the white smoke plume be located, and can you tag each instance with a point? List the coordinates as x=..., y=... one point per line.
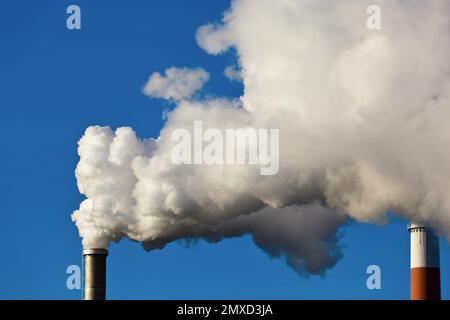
x=232, y=73
x=176, y=84
x=363, y=118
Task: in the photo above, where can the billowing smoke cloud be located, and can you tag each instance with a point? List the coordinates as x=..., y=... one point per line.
x=232, y=73
x=176, y=84
x=363, y=129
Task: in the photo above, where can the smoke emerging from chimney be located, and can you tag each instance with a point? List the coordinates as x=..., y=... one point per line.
x=363, y=118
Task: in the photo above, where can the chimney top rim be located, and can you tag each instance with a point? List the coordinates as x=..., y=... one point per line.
x=95, y=251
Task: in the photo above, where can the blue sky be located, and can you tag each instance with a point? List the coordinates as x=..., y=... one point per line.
x=55, y=83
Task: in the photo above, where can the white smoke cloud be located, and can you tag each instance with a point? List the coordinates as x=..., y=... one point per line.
x=363, y=129
x=176, y=83
x=232, y=73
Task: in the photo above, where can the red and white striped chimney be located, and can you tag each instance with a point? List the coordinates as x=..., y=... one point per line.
x=425, y=265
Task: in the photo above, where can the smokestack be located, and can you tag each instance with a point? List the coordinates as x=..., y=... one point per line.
x=94, y=274
x=425, y=266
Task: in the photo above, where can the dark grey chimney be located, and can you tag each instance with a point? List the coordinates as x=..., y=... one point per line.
x=94, y=274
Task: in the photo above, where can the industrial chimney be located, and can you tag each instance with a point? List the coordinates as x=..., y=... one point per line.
x=94, y=274
x=425, y=269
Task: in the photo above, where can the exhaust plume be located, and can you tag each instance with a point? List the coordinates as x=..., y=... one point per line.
x=363, y=127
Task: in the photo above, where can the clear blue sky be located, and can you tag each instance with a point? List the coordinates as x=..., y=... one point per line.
x=54, y=83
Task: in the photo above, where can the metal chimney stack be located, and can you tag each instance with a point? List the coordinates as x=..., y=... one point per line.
x=94, y=274
x=425, y=264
